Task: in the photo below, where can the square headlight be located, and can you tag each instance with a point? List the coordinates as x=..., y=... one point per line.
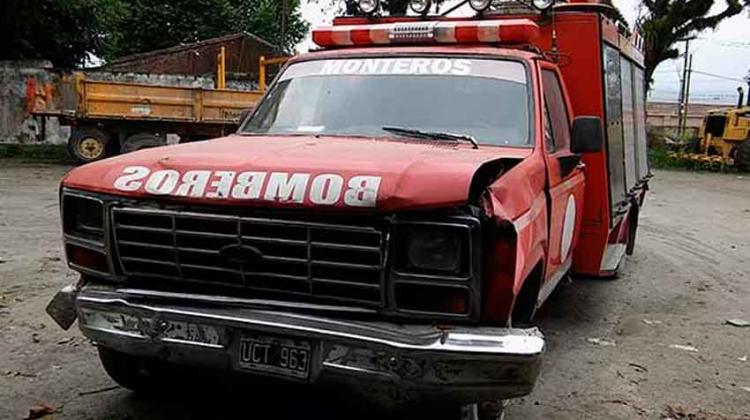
x=83, y=217
x=433, y=249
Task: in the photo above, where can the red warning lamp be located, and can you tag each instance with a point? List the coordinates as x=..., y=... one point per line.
x=507, y=31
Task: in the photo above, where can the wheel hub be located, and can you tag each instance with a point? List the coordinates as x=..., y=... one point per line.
x=90, y=148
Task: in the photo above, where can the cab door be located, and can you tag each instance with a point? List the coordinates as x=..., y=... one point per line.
x=565, y=179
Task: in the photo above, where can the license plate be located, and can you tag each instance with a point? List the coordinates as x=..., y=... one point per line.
x=278, y=356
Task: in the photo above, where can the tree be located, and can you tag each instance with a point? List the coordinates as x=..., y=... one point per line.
x=669, y=21
x=147, y=25
x=153, y=24
x=277, y=21
x=62, y=31
x=67, y=31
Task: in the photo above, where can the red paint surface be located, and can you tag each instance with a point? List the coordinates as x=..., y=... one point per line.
x=415, y=174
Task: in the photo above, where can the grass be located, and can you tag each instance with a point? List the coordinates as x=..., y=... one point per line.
x=42, y=153
x=664, y=159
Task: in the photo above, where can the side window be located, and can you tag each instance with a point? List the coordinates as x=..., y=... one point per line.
x=557, y=113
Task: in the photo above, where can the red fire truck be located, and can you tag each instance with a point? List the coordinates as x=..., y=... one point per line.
x=400, y=202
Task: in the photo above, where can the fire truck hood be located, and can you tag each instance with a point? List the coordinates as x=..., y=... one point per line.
x=297, y=171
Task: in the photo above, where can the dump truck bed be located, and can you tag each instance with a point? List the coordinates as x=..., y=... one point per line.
x=75, y=97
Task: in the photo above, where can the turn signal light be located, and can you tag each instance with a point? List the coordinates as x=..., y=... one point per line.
x=87, y=258
x=432, y=299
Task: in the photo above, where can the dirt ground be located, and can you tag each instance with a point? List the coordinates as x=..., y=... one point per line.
x=652, y=344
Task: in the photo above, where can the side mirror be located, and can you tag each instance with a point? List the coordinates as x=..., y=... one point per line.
x=587, y=135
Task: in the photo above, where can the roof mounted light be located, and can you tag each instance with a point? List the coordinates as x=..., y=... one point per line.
x=480, y=5
x=543, y=4
x=368, y=7
x=420, y=7
x=415, y=32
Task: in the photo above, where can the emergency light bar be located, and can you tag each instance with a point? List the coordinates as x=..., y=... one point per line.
x=508, y=31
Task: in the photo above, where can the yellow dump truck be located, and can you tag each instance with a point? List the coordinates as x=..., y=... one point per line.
x=108, y=118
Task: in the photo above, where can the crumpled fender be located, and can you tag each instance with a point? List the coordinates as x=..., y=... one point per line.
x=516, y=203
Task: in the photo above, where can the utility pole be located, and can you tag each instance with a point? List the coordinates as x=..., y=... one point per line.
x=687, y=94
x=681, y=106
x=282, y=43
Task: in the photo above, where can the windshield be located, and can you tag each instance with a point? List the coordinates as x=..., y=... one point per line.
x=487, y=100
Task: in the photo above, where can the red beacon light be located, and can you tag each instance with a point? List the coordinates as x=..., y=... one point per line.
x=506, y=31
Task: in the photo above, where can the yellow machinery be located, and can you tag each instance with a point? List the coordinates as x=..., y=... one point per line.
x=725, y=134
x=114, y=117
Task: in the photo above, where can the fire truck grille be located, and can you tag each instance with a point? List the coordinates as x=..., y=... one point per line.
x=306, y=259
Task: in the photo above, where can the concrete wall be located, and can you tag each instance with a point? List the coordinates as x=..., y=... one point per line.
x=663, y=116
x=17, y=126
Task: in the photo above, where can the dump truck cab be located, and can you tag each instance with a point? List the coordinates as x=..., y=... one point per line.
x=398, y=203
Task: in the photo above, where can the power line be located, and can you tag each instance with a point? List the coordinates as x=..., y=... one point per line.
x=704, y=73
x=718, y=76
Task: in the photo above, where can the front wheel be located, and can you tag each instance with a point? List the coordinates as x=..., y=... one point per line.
x=742, y=156
x=137, y=374
x=140, y=141
x=487, y=410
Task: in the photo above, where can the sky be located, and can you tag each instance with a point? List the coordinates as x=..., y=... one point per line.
x=721, y=58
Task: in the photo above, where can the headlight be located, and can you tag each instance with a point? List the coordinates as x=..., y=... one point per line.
x=83, y=217
x=480, y=5
x=83, y=225
x=369, y=7
x=436, y=267
x=543, y=4
x=421, y=7
x=433, y=249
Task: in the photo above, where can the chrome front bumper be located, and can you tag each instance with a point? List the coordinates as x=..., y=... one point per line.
x=386, y=362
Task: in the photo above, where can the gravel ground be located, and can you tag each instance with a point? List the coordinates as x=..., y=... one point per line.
x=652, y=344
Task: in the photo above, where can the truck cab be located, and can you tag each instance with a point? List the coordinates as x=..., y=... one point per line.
x=400, y=202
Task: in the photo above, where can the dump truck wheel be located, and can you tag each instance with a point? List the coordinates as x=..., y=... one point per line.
x=742, y=156
x=140, y=141
x=87, y=144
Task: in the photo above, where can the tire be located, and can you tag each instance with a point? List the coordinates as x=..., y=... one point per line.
x=143, y=376
x=742, y=156
x=141, y=141
x=87, y=144
x=488, y=410
x=693, y=145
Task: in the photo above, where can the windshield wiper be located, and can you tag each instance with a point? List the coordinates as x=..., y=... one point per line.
x=412, y=132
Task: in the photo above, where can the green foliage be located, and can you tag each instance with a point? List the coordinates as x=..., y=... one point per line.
x=146, y=25
x=62, y=31
x=152, y=24
x=669, y=21
x=279, y=22
x=35, y=153
x=66, y=31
